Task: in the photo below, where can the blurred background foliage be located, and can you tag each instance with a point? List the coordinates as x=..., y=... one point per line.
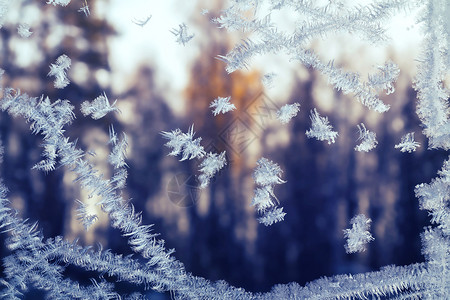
x=215, y=231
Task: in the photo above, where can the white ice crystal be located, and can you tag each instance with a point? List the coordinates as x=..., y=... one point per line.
x=368, y=139
x=210, y=165
x=287, y=112
x=407, y=143
x=183, y=143
x=182, y=34
x=82, y=214
x=99, y=107
x=272, y=216
x=321, y=128
x=266, y=175
x=59, y=71
x=222, y=105
x=358, y=236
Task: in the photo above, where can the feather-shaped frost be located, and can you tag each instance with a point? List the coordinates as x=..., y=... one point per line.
x=368, y=139
x=407, y=143
x=222, y=105
x=272, y=216
x=210, y=165
x=82, y=214
x=183, y=37
x=183, y=143
x=59, y=70
x=266, y=175
x=118, y=153
x=321, y=128
x=99, y=107
x=358, y=236
x=287, y=112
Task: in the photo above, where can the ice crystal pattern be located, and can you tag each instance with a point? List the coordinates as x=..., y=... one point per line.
x=222, y=105
x=407, y=143
x=368, y=139
x=183, y=37
x=210, y=165
x=358, y=236
x=82, y=214
x=321, y=128
x=99, y=107
x=59, y=70
x=184, y=144
x=287, y=112
x=40, y=263
x=266, y=175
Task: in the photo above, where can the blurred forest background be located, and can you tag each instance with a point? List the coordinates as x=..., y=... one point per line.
x=214, y=231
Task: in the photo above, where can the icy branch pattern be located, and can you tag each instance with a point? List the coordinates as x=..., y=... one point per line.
x=319, y=22
x=38, y=263
x=210, y=165
x=183, y=143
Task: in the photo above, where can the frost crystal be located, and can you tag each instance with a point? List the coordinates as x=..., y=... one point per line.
x=320, y=128
x=99, y=107
x=85, y=9
x=266, y=175
x=210, y=165
x=24, y=30
x=59, y=2
x=182, y=34
x=182, y=143
x=385, y=80
x=86, y=219
x=59, y=71
x=407, y=143
x=272, y=216
x=287, y=112
x=367, y=138
x=118, y=153
x=222, y=105
x=358, y=236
